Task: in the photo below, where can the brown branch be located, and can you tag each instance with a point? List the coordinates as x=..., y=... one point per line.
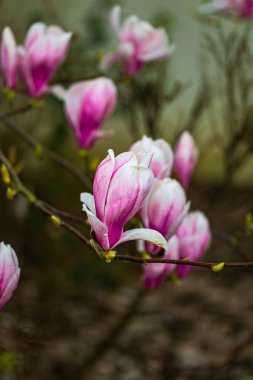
x=65, y=214
x=210, y=265
x=34, y=143
x=44, y=207
x=48, y=210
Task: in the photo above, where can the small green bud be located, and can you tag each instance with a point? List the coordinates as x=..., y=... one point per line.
x=109, y=256
x=38, y=151
x=5, y=174
x=56, y=221
x=83, y=153
x=218, y=267
x=10, y=193
x=31, y=197
x=145, y=255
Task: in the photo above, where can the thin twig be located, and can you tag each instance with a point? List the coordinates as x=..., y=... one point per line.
x=44, y=207
x=47, y=209
x=33, y=143
x=65, y=214
x=209, y=265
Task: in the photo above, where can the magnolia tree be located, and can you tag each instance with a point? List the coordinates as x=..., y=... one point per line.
x=138, y=195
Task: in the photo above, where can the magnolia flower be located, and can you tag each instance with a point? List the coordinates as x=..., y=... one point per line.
x=194, y=236
x=9, y=273
x=164, y=209
x=121, y=185
x=44, y=50
x=241, y=8
x=162, y=159
x=9, y=58
x=138, y=43
x=156, y=273
x=185, y=158
x=88, y=105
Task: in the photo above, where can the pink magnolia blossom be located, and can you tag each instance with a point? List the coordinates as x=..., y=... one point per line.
x=194, y=236
x=185, y=158
x=164, y=209
x=9, y=273
x=156, y=273
x=88, y=105
x=44, y=50
x=9, y=58
x=162, y=159
x=120, y=187
x=138, y=43
x=241, y=8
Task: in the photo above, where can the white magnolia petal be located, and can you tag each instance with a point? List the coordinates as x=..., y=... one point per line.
x=100, y=229
x=58, y=91
x=143, y=234
x=88, y=200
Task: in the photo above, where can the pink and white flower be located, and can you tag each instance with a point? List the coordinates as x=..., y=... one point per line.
x=164, y=209
x=120, y=187
x=9, y=273
x=156, y=273
x=9, y=58
x=44, y=50
x=138, y=43
x=185, y=158
x=87, y=106
x=241, y=8
x=194, y=236
x=162, y=159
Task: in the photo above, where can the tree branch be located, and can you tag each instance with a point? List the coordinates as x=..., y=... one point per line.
x=50, y=211
x=41, y=205
x=34, y=143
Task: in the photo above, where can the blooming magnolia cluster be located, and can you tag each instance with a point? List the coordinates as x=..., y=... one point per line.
x=44, y=50
x=9, y=273
x=240, y=8
x=166, y=209
x=87, y=106
x=134, y=183
x=121, y=185
x=138, y=43
x=138, y=183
